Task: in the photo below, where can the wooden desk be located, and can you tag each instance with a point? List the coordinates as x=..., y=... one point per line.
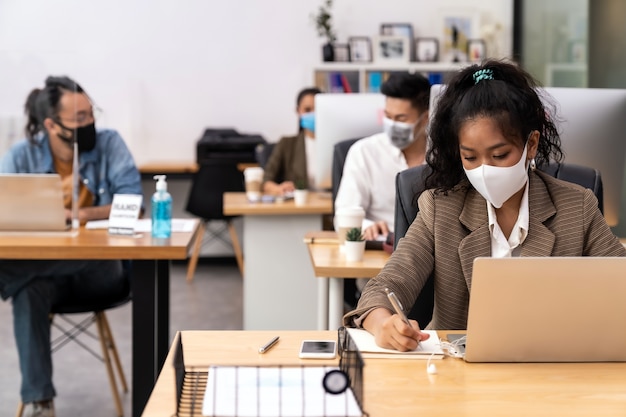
x=278, y=287
x=149, y=285
x=403, y=388
x=176, y=169
x=330, y=266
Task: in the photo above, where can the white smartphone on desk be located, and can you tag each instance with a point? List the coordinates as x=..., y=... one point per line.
x=318, y=349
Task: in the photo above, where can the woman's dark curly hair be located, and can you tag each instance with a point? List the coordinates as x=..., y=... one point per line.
x=509, y=96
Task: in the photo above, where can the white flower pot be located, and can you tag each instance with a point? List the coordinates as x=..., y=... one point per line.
x=354, y=250
x=300, y=197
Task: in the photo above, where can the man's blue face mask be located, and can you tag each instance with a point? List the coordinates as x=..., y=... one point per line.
x=307, y=121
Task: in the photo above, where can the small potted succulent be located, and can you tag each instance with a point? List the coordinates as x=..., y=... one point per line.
x=354, y=245
x=301, y=193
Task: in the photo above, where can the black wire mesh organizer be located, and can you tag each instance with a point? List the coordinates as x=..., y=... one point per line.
x=191, y=382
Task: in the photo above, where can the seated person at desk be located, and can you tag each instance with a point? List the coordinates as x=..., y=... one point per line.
x=371, y=165
x=484, y=198
x=58, y=115
x=291, y=160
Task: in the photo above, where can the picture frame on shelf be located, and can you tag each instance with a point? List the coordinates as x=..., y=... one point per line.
x=426, y=49
x=458, y=26
x=342, y=52
x=399, y=29
x=360, y=48
x=578, y=51
x=476, y=50
x=391, y=49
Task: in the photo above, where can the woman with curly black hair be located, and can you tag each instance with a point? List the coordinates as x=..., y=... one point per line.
x=489, y=132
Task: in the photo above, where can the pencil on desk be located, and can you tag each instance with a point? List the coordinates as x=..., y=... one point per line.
x=320, y=240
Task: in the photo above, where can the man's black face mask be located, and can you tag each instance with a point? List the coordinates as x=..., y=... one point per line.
x=84, y=135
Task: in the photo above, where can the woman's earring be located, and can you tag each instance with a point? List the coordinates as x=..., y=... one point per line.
x=533, y=164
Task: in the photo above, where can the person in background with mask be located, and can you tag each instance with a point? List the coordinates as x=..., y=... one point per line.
x=58, y=115
x=292, y=160
x=371, y=165
x=485, y=197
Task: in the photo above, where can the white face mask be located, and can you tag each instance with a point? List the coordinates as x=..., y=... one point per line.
x=400, y=133
x=498, y=184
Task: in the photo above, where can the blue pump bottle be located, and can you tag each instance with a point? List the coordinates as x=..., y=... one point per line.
x=161, y=209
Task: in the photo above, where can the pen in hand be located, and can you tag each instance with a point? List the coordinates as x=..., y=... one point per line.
x=268, y=345
x=397, y=306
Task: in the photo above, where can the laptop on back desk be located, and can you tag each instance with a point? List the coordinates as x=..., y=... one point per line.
x=548, y=309
x=32, y=203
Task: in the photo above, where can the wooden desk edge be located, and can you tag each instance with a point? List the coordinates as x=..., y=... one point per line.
x=168, y=168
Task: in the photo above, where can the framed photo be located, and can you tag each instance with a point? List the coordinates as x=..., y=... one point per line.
x=426, y=49
x=399, y=29
x=458, y=26
x=342, y=52
x=578, y=51
x=476, y=50
x=360, y=48
x=392, y=49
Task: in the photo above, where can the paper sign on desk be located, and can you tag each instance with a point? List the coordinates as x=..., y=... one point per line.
x=145, y=225
x=248, y=391
x=369, y=349
x=124, y=214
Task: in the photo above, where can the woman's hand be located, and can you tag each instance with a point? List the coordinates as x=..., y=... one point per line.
x=286, y=187
x=391, y=332
x=270, y=187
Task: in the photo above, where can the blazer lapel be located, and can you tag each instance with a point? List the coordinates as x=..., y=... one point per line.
x=540, y=239
x=299, y=159
x=478, y=241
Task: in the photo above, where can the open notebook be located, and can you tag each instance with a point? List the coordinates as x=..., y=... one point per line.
x=427, y=349
x=548, y=309
x=32, y=203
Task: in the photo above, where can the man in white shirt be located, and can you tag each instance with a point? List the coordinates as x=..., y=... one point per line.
x=372, y=163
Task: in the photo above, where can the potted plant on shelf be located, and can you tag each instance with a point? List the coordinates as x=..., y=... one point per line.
x=323, y=24
x=354, y=245
x=300, y=194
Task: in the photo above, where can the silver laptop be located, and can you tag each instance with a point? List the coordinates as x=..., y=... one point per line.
x=551, y=309
x=31, y=203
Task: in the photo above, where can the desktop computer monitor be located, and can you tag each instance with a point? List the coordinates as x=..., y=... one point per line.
x=592, y=124
x=339, y=117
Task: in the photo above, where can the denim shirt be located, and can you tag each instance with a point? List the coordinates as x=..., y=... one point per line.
x=106, y=170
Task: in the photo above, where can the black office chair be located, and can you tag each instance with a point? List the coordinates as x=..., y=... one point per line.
x=59, y=319
x=410, y=184
x=205, y=201
x=340, y=151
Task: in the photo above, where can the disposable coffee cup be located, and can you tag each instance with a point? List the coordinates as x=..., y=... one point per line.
x=254, y=178
x=347, y=218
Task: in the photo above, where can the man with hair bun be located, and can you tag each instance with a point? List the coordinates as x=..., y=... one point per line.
x=59, y=115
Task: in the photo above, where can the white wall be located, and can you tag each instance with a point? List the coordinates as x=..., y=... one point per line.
x=164, y=70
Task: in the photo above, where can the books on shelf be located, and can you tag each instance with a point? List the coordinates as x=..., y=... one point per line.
x=337, y=81
x=428, y=348
x=374, y=81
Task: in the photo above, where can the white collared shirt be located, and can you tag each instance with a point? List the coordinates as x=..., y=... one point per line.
x=369, y=178
x=501, y=247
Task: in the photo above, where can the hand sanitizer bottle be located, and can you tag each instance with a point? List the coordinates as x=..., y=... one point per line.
x=161, y=209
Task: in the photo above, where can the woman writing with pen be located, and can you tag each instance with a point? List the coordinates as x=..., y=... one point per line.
x=484, y=198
